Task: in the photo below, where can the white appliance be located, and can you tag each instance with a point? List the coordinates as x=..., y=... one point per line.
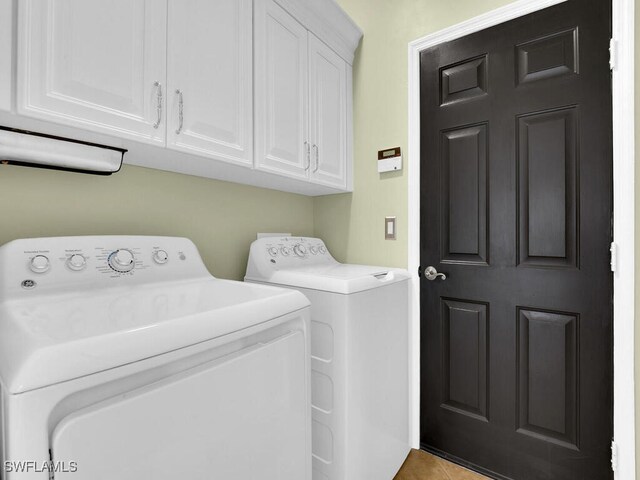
x=121, y=357
x=359, y=355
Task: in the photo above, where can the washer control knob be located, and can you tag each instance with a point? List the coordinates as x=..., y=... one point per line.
x=76, y=262
x=322, y=249
x=313, y=250
x=273, y=251
x=122, y=260
x=39, y=264
x=300, y=250
x=286, y=251
x=161, y=257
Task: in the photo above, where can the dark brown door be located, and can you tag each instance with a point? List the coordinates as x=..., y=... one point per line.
x=516, y=202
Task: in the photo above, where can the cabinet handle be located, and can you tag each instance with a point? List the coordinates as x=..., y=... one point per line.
x=306, y=144
x=159, y=103
x=180, y=111
x=317, y=158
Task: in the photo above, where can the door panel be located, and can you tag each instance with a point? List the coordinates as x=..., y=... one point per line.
x=516, y=208
x=464, y=195
x=281, y=91
x=548, y=170
x=210, y=63
x=94, y=64
x=328, y=114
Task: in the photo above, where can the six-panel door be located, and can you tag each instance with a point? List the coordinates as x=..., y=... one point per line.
x=516, y=202
x=209, y=79
x=94, y=64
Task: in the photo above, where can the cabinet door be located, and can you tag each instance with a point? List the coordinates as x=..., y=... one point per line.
x=6, y=42
x=281, y=91
x=94, y=64
x=328, y=115
x=209, y=71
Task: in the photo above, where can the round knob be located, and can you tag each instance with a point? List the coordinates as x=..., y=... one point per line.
x=122, y=261
x=273, y=251
x=161, y=257
x=313, y=250
x=76, y=262
x=286, y=251
x=322, y=249
x=39, y=264
x=300, y=250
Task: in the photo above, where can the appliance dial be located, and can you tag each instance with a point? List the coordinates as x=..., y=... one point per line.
x=273, y=251
x=322, y=249
x=300, y=250
x=161, y=257
x=286, y=251
x=39, y=264
x=76, y=262
x=313, y=250
x=122, y=260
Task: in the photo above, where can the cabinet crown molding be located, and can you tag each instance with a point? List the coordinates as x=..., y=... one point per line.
x=329, y=22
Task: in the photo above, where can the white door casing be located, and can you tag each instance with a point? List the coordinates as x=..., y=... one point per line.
x=94, y=64
x=281, y=86
x=209, y=69
x=327, y=114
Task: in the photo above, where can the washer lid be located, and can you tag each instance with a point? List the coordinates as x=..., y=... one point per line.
x=337, y=277
x=54, y=338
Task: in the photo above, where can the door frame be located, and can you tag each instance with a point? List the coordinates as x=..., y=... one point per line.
x=623, y=78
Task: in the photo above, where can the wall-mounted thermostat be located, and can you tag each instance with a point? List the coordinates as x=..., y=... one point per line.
x=389, y=160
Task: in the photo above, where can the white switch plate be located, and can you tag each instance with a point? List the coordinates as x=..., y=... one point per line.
x=390, y=228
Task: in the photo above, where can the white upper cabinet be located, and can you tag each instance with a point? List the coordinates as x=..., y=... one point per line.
x=249, y=91
x=209, y=79
x=328, y=115
x=6, y=42
x=281, y=92
x=95, y=64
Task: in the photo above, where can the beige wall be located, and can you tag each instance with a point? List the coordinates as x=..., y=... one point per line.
x=221, y=218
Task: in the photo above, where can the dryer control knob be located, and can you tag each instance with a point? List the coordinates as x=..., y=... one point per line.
x=313, y=250
x=300, y=250
x=322, y=249
x=122, y=261
x=76, y=262
x=286, y=251
x=273, y=251
x=161, y=257
x=39, y=264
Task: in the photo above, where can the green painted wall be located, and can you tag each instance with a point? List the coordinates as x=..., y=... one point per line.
x=221, y=218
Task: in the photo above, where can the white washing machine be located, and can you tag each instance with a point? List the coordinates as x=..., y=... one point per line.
x=359, y=355
x=121, y=357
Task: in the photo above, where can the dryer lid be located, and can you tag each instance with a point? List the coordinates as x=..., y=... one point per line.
x=69, y=336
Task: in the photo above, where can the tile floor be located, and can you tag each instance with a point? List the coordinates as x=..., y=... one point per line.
x=424, y=466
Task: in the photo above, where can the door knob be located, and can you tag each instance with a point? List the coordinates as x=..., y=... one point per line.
x=431, y=274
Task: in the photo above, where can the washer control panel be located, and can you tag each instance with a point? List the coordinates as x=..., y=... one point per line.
x=286, y=252
x=296, y=247
x=58, y=262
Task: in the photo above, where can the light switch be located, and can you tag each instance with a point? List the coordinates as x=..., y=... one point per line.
x=390, y=228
